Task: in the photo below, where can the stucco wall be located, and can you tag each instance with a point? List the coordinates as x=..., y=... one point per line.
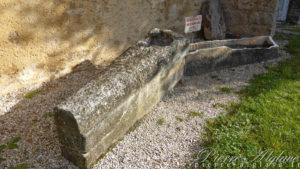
x=41, y=40
x=246, y=18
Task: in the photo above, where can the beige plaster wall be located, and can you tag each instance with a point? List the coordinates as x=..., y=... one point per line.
x=43, y=39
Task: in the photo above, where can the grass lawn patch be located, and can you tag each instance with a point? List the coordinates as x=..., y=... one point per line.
x=267, y=120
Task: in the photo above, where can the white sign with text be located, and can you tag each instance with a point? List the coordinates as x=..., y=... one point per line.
x=193, y=24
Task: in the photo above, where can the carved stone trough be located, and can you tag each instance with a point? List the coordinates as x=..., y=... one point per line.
x=209, y=56
x=101, y=112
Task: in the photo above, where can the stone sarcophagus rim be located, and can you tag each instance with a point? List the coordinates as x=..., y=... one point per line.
x=101, y=112
x=214, y=55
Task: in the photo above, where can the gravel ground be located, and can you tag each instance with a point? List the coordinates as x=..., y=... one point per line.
x=150, y=145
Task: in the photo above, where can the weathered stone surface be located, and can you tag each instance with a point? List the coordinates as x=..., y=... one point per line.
x=248, y=18
x=214, y=55
x=102, y=111
x=213, y=20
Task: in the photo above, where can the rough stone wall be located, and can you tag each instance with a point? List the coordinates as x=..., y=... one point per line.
x=246, y=18
x=42, y=40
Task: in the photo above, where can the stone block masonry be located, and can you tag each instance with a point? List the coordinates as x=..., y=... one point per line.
x=248, y=18
x=214, y=27
x=90, y=121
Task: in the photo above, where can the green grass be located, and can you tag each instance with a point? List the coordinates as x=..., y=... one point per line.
x=180, y=118
x=215, y=77
x=25, y=153
x=33, y=93
x=294, y=46
x=160, y=121
x=48, y=114
x=225, y=89
x=280, y=36
x=220, y=105
x=12, y=143
x=2, y=159
x=290, y=27
x=21, y=166
x=295, y=29
x=2, y=147
x=266, y=119
x=195, y=114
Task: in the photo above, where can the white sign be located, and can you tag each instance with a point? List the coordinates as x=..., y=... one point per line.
x=193, y=23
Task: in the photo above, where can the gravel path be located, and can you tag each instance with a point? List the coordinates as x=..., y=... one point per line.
x=169, y=145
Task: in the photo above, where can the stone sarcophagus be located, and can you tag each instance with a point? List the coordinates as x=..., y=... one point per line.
x=209, y=56
x=101, y=112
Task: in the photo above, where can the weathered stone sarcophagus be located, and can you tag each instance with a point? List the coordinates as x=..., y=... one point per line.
x=101, y=112
x=209, y=56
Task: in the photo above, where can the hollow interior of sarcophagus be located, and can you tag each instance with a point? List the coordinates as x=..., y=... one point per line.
x=255, y=42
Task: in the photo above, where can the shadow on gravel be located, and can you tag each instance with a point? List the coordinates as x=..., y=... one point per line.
x=32, y=120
